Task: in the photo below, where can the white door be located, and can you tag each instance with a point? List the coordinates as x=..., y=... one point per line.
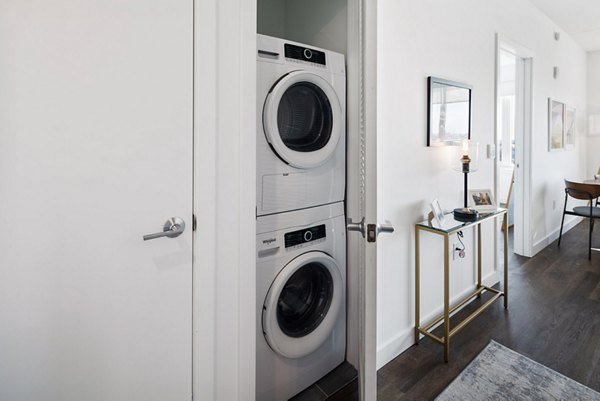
x=361, y=202
x=95, y=152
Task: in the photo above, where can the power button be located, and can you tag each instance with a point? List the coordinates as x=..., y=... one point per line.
x=308, y=235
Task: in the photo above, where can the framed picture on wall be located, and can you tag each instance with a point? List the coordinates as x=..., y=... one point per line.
x=482, y=200
x=570, y=131
x=556, y=125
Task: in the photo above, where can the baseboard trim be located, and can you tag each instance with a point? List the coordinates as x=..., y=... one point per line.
x=406, y=338
x=395, y=346
x=553, y=236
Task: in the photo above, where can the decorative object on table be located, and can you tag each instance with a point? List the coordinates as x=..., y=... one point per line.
x=482, y=200
x=467, y=163
x=570, y=131
x=437, y=213
x=556, y=125
x=499, y=373
x=448, y=112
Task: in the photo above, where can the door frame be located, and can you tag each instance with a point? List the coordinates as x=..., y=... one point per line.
x=524, y=239
x=361, y=192
x=225, y=188
x=224, y=315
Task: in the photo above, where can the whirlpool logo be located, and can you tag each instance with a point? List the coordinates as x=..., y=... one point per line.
x=269, y=241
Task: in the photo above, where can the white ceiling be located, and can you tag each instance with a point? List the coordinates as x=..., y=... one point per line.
x=579, y=18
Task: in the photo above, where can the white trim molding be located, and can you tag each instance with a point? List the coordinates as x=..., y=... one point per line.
x=224, y=315
x=553, y=236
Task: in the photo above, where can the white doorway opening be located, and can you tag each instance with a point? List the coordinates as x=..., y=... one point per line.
x=514, y=65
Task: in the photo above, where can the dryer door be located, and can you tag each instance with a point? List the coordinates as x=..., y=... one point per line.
x=303, y=119
x=303, y=305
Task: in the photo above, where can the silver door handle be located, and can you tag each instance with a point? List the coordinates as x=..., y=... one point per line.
x=370, y=231
x=359, y=227
x=173, y=227
x=385, y=228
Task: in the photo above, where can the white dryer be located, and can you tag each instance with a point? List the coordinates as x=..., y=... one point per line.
x=300, y=299
x=301, y=126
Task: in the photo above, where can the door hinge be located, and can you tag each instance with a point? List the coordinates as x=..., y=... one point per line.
x=193, y=222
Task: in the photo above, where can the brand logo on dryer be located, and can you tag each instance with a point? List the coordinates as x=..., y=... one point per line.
x=269, y=241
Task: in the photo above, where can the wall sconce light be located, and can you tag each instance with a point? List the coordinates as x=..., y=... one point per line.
x=594, y=125
x=467, y=163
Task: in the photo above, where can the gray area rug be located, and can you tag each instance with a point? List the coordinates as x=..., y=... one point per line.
x=499, y=373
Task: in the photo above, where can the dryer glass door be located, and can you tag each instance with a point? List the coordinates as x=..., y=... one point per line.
x=303, y=119
x=303, y=304
x=304, y=300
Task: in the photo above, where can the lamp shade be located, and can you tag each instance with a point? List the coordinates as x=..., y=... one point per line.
x=466, y=159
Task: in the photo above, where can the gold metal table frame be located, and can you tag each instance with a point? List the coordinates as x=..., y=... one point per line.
x=449, y=228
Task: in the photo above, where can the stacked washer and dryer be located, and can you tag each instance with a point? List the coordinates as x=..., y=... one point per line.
x=301, y=242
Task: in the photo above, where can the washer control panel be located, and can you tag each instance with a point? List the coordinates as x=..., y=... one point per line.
x=304, y=54
x=300, y=237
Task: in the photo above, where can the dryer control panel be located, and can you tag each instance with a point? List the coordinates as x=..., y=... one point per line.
x=304, y=54
x=300, y=237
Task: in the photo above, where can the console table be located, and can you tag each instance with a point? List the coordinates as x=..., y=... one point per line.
x=450, y=227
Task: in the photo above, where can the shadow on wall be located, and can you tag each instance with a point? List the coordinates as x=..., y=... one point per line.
x=312, y=22
x=540, y=216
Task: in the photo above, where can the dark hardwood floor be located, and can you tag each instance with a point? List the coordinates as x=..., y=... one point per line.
x=553, y=317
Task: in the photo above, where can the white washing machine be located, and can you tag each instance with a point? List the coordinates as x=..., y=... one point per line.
x=300, y=299
x=301, y=126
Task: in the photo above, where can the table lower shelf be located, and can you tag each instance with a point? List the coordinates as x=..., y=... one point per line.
x=426, y=330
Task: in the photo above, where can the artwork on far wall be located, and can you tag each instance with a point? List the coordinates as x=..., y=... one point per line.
x=556, y=125
x=570, y=131
x=448, y=112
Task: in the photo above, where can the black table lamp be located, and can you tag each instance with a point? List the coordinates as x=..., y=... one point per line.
x=467, y=164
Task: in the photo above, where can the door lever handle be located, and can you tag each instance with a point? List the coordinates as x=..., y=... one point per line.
x=370, y=231
x=360, y=226
x=173, y=227
x=373, y=230
x=385, y=228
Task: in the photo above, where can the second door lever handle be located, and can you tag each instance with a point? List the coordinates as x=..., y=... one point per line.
x=172, y=228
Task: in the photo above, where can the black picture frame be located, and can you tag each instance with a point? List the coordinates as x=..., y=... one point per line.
x=459, y=116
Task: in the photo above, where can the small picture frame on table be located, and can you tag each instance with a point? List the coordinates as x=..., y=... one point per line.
x=437, y=212
x=482, y=200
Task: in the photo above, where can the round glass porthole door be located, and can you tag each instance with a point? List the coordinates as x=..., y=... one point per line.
x=303, y=304
x=301, y=119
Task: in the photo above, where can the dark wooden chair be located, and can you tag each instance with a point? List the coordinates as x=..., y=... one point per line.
x=582, y=191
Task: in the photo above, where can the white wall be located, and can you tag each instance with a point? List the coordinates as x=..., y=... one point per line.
x=456, y=40
x=593, y=102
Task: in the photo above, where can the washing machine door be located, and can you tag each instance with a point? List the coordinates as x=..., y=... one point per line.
x=302, y=119
x=303, y=305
